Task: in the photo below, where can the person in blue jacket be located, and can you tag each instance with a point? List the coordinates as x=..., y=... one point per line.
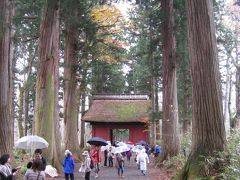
x=68, y=165
x=157, y=150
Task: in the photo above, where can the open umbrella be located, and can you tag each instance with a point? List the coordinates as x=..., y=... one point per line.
x=121, y=149
x=137, y=148
x=97, y=141
x=141, y=142
x=130, y=142
x=121, y=144
x=107, y=147
x=31, y=142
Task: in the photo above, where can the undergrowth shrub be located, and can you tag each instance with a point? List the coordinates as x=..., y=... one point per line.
x=232, y=171
x=220, y=165
x=226, y=164
x=177, y=162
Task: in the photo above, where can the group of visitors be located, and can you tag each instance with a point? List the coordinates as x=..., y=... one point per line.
x=108, y=157
x=91, y=163
x=35, y=171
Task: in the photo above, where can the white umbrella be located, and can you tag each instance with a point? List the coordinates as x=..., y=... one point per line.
x=130, y=145
x=103, y=148
x=137, y=148
x=31, y=142
x=121, y=144
x=121, y=149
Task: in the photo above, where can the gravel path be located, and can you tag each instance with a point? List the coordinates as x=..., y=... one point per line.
x=131, y=173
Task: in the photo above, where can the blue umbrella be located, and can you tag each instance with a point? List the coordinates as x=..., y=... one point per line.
x=97, y=141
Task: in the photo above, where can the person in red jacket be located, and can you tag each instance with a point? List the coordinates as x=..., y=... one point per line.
x=96, y=157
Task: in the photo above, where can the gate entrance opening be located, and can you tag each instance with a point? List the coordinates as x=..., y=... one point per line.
x=120, y=135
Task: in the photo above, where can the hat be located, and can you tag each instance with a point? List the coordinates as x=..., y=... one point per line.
x=67, y=152
x=85, y=153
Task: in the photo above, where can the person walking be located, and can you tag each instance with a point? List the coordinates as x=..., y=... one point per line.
x=68, y=165
x=120, y=164
x=6, y=171
x=96, y=157
x=110, y=157
x=147, y=149
x=157, y=150
x=35, y=172
x=142, y=160
x=105, y=157
x=86, y=165
x=129, y=155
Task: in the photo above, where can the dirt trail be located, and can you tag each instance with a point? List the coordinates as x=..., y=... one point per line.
x=131, y=173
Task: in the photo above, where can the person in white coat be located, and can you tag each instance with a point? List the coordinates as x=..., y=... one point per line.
x=142, y=160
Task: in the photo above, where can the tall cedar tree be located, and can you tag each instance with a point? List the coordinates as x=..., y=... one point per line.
x=183, y=67
x=6, y=121
x=71, y=96
x=208, y=125
x=170, y=140
x=46, y=105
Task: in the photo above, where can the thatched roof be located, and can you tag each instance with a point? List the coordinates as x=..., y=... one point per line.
x=118, y=110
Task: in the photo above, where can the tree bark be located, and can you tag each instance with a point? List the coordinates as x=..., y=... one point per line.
x=153, y=85
x=186, y=120
x=229, y=102
x=26, y=109
x=6, y=55
x=20, y=112
x=237, y=124
x=83, y=92
x=226, y=112
x=83, y=109
x=158, y=137
x=71, y=96
x=170, y=140
x=187, y=101
x=208, y=133
x=46, y=104
x=32, y=54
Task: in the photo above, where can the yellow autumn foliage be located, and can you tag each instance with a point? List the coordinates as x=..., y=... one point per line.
x=106, y=15
x=107, y=59
x=110, y=24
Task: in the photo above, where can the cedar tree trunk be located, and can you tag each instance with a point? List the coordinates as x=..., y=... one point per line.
x=170, y=140
x=20, y=112
x=208, y=133
x=237, y=124
x=226, y=112
x=6, y=54
x=71, y=97
x=46, y=104
x=83, y=109
x=83, y=92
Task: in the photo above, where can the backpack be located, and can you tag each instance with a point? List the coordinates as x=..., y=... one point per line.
x=91, y=164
